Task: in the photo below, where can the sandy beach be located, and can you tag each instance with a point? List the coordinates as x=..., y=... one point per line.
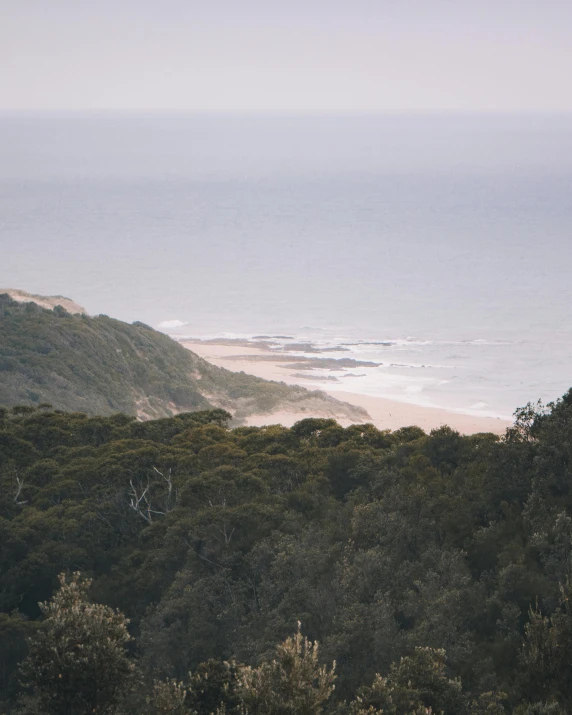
x=259, y=360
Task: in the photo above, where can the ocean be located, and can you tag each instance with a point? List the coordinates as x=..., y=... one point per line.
x=438, y=247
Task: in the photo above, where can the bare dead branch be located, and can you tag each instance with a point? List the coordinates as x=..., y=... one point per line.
x=171, y=500
x=20, y=483
x=141, y=504
x=225, y=533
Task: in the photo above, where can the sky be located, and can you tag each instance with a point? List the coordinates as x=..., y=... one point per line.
x=292, y=56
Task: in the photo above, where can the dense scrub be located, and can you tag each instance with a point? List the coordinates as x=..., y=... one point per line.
x=216, y=542
x=103, y=366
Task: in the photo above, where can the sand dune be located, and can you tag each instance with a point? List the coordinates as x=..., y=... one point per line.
x=45, y=301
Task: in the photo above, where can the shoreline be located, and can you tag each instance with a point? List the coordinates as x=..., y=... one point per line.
x=259, y=360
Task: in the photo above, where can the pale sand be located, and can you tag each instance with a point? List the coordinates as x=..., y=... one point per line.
x=44, y=301
x=385, y=414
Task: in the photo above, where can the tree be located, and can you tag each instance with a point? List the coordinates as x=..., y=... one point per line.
x=293, y=683
x=77, y=663
x=214, y=688
x=13, y=631
x=417, y=684
x=540, y=709
x=546, y=655
x=168, y=697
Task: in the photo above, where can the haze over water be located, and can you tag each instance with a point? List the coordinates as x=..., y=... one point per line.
x=450, y=237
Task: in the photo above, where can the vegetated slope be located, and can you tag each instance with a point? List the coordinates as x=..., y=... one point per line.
x=100, y=366
x=215, y=542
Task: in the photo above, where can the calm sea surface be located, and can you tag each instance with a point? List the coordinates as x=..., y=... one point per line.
x=450, y=239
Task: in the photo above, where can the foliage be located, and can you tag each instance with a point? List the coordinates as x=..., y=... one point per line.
x=168, y=696
x=214, y=688
x=418, y=683
x=292, y=683
x=101, y=366
x=547, y=653
x=391, y=548
x=77, y=661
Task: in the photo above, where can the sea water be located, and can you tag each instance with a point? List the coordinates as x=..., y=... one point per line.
x=439, y=248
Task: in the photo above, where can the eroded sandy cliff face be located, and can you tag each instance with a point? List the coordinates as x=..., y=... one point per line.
x=45, y=301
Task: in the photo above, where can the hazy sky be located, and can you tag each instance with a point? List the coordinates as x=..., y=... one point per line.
x=287, y=56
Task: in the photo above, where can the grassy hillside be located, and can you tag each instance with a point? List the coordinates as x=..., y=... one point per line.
x=100, y=366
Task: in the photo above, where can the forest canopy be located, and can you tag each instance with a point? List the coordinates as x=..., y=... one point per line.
x=434, y=569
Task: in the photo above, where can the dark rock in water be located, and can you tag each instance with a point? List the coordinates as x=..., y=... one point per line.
x=301, y=348
x=272, y=337
x=320, y=378
x=385, y=343
x=331, y=364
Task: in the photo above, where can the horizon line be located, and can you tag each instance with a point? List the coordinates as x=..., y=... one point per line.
x=292, y=114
